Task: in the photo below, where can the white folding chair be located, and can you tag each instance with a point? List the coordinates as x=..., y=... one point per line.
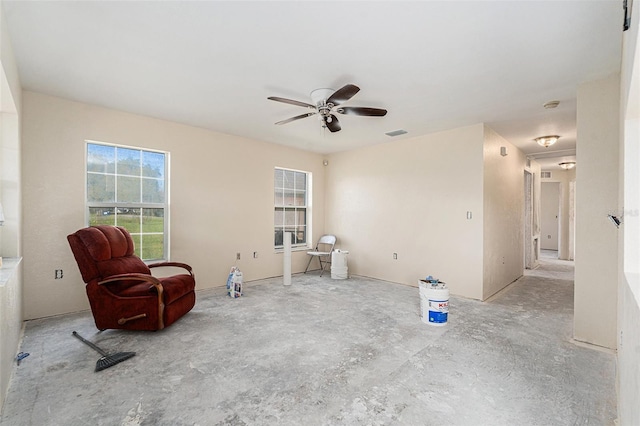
x=322, y=252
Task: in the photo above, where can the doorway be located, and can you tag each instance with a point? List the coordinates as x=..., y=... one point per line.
x=531, y=241
x=549, y=218
x=549, y=214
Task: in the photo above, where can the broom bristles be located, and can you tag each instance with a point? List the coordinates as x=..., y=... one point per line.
x=113, y=359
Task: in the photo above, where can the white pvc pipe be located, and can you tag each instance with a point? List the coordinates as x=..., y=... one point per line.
x=286, y=275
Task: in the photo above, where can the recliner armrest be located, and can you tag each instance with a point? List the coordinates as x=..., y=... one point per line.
x=172, y=264
x=137, y=277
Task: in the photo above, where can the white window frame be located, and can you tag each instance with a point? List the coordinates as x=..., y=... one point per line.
x=306, y=207
x=139, y=205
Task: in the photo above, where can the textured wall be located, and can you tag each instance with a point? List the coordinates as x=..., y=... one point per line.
x=597, y=175
x=221, y=195
x=503, y=198
x=411, y=197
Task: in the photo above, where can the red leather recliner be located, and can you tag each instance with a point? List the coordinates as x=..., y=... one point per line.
x=122, y=292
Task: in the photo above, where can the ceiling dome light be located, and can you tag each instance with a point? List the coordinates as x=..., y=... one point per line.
x=551, y=104
x=567, y=165
x=547, y=141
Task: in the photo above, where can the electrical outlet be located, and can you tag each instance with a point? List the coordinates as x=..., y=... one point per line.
x=395, y=256
x=58, y=274
x=255, y=254
x=237, y=256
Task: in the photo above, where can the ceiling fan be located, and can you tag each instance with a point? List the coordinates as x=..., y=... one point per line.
x=326, y=102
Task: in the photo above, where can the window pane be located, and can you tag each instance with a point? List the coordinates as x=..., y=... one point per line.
x=152, y=190
x=129, y=219
x=289, y=217
x=102, y=216
x=278, y=242
x=153, y=221
x=128, y=161
x=301, y=234
x=301, y=181
x=279, y=197
x=137, y=245
x=289, y=197
x=278, y=181
x=300, y=198
x=101, y=158
x=289, y=177
x=279, y=217
x=301, y=217
x=128, y=189
x=101, y=188
x=152, y=246
x=153, y=164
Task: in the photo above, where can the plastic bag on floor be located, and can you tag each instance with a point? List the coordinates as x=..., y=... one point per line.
x=234, y=283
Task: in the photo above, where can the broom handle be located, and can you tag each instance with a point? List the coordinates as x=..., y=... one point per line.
x=88, y=343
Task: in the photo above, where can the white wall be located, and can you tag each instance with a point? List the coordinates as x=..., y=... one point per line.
x=411, y=197
x=503, y=219
x=629, y=270
x=10, y=320
x=10, y=187
x=596, y=257
x=221, y=196
x=10, y=110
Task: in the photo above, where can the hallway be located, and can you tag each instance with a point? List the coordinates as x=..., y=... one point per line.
x=327, y=352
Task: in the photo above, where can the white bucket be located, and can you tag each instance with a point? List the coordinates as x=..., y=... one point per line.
x=434, y=303
x=339, y=273
x=339, y=269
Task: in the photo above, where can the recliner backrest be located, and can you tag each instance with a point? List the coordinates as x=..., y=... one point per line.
x=103, y=251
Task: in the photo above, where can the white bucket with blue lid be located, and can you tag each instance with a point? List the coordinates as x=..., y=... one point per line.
x=434, y=302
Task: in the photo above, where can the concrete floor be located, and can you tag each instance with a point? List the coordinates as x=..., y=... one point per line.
x=326, y=352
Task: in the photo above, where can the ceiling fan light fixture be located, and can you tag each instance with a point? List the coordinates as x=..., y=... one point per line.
x=326, y=102
x=567, y=165
x=319, y=96
x=547, y=141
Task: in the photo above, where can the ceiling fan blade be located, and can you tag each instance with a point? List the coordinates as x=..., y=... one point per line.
x=333, y=125
x=297, y=117
x=371, y=112
x=343, y=94
x=291, y=102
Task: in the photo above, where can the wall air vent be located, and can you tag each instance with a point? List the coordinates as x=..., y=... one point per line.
x=396, y=133
x=545, y=175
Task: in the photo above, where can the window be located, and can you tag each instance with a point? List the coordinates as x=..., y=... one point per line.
x=292, y=199
x=128, y=187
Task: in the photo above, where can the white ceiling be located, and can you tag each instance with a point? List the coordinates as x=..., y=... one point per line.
x=434, y=65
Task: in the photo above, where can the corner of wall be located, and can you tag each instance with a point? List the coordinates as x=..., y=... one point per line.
x=597, y=195
x=503, y=212
x=10, y=196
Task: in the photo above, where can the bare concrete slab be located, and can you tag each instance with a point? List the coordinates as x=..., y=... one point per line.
x=326, y=352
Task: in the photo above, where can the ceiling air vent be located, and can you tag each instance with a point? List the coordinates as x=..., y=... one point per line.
x=545, y=175
x=396, y=133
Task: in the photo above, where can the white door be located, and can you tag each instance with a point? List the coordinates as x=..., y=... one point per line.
x=549, y=212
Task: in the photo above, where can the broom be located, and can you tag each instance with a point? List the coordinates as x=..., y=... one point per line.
x=107, y=360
